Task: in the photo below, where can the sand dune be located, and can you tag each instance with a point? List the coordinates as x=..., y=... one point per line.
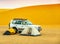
x=3, y=10
x=50, y=35
x=44, y=14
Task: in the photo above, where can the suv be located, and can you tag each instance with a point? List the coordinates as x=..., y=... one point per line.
x=20, y=24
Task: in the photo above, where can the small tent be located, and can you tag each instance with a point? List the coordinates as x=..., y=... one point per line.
x=30, y=31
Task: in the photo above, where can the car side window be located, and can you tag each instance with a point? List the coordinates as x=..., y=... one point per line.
x=24, y=23
x=28, y=22
x=17, y=22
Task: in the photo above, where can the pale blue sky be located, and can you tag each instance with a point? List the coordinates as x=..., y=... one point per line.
x=22, y=3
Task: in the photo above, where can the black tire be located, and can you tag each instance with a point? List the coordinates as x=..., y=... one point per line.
x=39, y=29
x=19, y=31
x=15, y=29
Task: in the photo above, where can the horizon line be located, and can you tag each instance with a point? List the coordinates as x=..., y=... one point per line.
x=28, y=5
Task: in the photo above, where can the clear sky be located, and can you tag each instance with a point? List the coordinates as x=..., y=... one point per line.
x=21, y=3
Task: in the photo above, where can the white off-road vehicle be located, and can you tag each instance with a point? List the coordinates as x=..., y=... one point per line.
x=20, y=24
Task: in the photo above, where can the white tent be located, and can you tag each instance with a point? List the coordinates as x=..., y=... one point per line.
x=30, y=31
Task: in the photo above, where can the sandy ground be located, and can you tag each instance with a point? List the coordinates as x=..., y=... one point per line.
x=50, y=35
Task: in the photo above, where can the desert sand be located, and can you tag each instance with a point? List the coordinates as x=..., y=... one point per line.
x=50, y=34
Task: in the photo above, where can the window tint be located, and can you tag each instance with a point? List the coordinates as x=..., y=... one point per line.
x=17, y=22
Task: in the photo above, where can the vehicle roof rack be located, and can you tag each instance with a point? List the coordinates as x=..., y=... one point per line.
x=19, y=19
